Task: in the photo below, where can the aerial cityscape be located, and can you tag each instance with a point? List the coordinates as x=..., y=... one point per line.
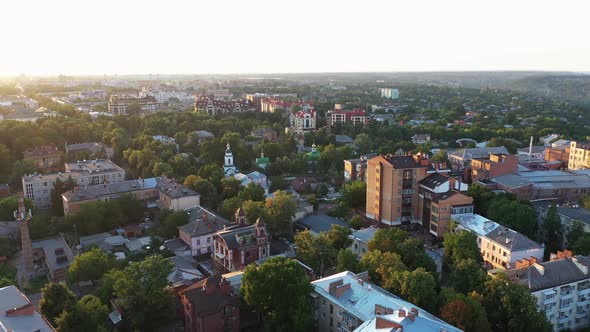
x=313, y=166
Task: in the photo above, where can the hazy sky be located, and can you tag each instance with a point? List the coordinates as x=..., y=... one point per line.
x=257, y=36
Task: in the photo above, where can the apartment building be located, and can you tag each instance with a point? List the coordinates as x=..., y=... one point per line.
x=303, y=120
x=93, y=150
x=500, y=247
x=54, y=255
x=389, y=93
x=267, y=134
x=46, y=159
x=496, y=164
x=356, y=116
x=579, y=157
x=346, y=301
x=356, y=169
x=119, y=104
x=562, y=289
x=392, y=187
x=37, y=187
x=461, y=159
x=440, y=198
x=17, y=312
x=213, y=106
x=569, y=216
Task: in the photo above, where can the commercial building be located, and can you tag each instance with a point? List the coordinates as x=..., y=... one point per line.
x=346, y=301
x=493, y=166
x=500, y=247
x=392, y=187
x=579, y=157
x=555, y=185
x=356, y=116
x=198, y=232
x=562, y=289
x=17, y=313
x=211, y=305
x=160, y=192
x=37, y=187
x=46, y=159
x=440, y=198
x=360, y=241
x=240, y=245
x=119, y=104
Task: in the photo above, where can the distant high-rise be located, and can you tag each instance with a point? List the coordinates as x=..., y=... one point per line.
x=389, y=93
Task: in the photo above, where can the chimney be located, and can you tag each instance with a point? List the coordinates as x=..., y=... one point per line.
x=364, y=276
x=411, y=316
x=333, y=286
x=401, y=313
x=414, y=311
x=382, y=323
x=340, y=290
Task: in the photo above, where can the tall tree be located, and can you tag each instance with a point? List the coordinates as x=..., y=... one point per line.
x=91, y=265
x=252, y=192
x=266, y=287
x=88, y=314
x=315, y=251
x=552, y=232
x=346, y=261
x=354, y=194
x=280, y=210
x=576, y=230
x=582, y=245
x=338, y=235
x=55, y=299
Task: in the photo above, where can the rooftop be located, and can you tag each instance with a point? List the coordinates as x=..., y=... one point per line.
x=434, y=180
x=93, y=166
x=100, y=190
x=400, y=162
x=361, y=297
x=58, y=254
x=17, y=313
x=207, y=296
x=364, y=235
x=511, y=239
x=468, y=154
x=404, y=320
x=475, y=223
x=183, y=271
x=173, y=189
x=544, y=180
x=553, y=273
x=92, y=146
x=41, y=151
x=203, y=221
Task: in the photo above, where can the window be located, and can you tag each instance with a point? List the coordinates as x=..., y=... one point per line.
x=208, y=240
x=331, y=309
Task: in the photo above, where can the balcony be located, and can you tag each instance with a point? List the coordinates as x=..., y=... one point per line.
x=584, y=291
x=583, y=300
x=580, y=314
x=566, y=294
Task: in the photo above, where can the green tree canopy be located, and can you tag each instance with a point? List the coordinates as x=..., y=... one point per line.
x=354, y=194
x=266, y=287
x=552, y=232
x=91, y=265
x=88, y=314
x=55, y=299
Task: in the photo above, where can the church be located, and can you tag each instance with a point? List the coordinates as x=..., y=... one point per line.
x=230, y=170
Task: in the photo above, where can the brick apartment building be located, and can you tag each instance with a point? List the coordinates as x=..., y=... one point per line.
x=356, y=116
x=495, y=165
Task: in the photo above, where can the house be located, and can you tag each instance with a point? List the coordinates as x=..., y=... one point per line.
x=177, y=247
x=344, y=139
x=302, y=183
x=561, y=287
x=204, y=135
x=240, y=245
x=53, y=254
x=420, y=139
x=533, y=152
x=46, y=159
x=17, y=312
x=500, y=247
x=360, y=241
x=356, y=169
x=401, y=320
x=547, y=140
x=346, y=301
x=175, y=196
x=104, y=241
x=211, y=305
x=266, y=134
x=184, y=273
x=198, y=232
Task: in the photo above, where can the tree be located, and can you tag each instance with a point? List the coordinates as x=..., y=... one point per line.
x=513, y=214
x=279, y=212
x=168, y=223
x=381, y=266
x=354, y=194
x=60, y=187
x=511, y=307
x=338, y=236
x=91, y=265
x=10, y=204
x=459, y=246
x=252, y=192
x=388, y=239
x=134, y=109
x=576, y=230
x=277, y=183
x=212, y=173
x=473, y=319
x=88, y=314
x=552, y=232
x=466, y=275
x=482, y=198
x=208, y=191
x=55, y=299
x=315, y=251
x=418, y=287
x=230, y=187
x=228, y=207
x=441, y=156
x=357, y=222
x=163, y=169
x=142, y=293
x=346, y=261
x=253, y=210
x=266, y=287
x=363, y=143
x=582, y=245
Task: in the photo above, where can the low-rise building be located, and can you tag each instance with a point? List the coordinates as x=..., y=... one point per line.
x=421, y=139
x=204, y=135
x=356, y=169
x=266, y=134
x=46, y=159
x=211, y=305
x=175, y=196
x=533, y=152
x=93, y=150
x=360, y=241
x=579, y=155
x=562, y=289
x=17, y=312
x=493, y=166
x=4, y=190
x=37, y=187
x=53, y=254
x=198, y=232
x=240, y=245
x=119, y=104
x=346, y=301
x=461, y=159
x=500, y=247
x=569, y=216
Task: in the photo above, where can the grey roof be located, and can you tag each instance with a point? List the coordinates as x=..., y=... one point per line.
x=344, y=139
x=364, y=235
x=4, y=186
x=200, y=225
x=321, y=222
x=204, y=134
x=545, y=180
x=92, y=146
x=173, y=189
x=468, y=154
x=183, y=271
x=417, y=324
x=536, y=149
x=400, y=162
x=553, y=273
x=175, y=244
x=9, y=229
x=511, y=239
x=11, y=298
x=51, y=248
x=434, y=180
x=100, y=190
x=230, y=235
x=579, y=214
x=511, y=181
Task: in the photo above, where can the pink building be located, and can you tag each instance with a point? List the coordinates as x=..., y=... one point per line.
x=356, y=116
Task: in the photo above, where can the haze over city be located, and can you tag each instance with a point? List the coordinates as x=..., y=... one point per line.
x=195, y=37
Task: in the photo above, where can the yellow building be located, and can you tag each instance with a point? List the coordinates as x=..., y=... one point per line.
x=579, y=155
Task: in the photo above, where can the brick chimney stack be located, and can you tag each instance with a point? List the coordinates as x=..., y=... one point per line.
x=27, y=249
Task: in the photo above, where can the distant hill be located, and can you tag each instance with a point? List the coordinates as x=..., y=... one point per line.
x=573, y=86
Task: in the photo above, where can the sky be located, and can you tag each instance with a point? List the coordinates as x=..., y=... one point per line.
x=290, y=36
